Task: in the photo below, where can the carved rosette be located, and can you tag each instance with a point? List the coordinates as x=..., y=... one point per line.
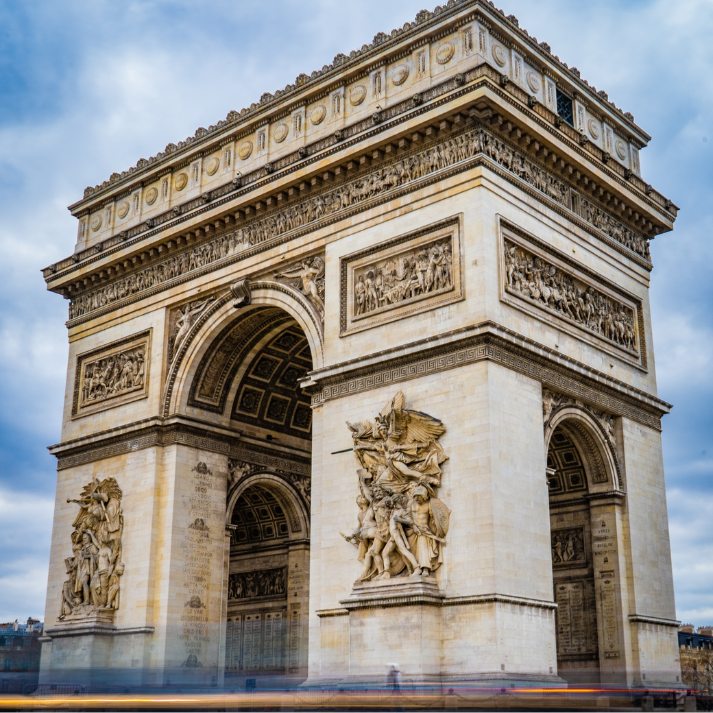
x=95, y=568
x=402, y=525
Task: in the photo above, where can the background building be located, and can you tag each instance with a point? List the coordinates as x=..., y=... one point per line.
x=696, y=649
x=20, y=649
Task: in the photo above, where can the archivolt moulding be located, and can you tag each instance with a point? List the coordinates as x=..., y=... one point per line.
x=602, y=464
x=255, y=294
x=287, y=496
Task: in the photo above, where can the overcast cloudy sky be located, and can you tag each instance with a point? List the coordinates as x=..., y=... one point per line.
x=89, y=86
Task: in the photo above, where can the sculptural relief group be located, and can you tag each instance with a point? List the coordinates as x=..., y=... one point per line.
x=422, y=271
x=113, y=375
x=95, y=567
x=402, y=525
x=537, y=280
x=265, y=583
x=355, y=192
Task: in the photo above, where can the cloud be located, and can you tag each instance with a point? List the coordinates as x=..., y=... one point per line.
x=25, y=529
x=691, y=528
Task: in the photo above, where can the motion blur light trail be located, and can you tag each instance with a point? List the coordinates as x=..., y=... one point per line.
x=583, y=698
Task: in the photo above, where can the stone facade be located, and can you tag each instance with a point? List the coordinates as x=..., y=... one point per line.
x=418, y=240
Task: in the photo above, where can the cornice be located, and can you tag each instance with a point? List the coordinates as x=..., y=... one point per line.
x=95, y=630
x=455, y=13
x=363, y=131
x=431, y=599
x=657, y=621
x=160, y=432
x=492, y=342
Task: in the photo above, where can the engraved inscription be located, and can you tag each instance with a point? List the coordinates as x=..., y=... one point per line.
x=233, y=639
x=197, y=550
x=294, y=646
x=576, y=619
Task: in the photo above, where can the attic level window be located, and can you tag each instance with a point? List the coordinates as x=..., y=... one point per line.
x=565, y=108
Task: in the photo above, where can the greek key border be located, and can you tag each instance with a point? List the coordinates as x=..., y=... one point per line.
x=495, y=348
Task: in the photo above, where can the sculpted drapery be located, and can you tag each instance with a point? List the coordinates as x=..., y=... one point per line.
x=402, y=524
x=95, y=568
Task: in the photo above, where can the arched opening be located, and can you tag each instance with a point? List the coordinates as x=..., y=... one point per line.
x=268, y=562
x=239, y=368
x=584, y=502
x=253, y=372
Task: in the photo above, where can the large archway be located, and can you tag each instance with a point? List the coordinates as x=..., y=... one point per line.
x=268, y=579
x=242, y=370
x=268, y=507
x=585, y=507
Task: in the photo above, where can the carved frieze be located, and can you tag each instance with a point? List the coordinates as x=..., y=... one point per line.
x=95, y=568
x=568, y=547
x=263, y=583
x=402, y=525
x=342, y=200
x=542, y=281
x=404, y=276
x=112, y=375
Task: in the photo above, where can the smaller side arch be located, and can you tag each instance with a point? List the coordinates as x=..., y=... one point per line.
x=286, y=495
x=596, y=446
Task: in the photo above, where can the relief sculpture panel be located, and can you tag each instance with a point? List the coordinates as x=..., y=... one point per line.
x=405, y=276
x=402, y=525
x=560, y=292
x=112, y=375
x=95, y=568
x=568, y=547
x=264, y=583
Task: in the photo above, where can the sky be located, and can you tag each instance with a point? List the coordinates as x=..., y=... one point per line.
x=87, y=87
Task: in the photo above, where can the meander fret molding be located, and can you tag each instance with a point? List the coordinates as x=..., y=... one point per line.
x=150, y=433
x=465, y=37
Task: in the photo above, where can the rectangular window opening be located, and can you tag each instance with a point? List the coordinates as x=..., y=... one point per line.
x=565, y=108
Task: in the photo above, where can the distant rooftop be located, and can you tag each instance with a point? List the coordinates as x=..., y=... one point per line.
x=341, y=61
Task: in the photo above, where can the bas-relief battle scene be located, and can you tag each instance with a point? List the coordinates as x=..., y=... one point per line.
x=449, y=216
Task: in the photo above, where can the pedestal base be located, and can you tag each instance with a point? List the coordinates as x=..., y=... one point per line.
x=491, y=640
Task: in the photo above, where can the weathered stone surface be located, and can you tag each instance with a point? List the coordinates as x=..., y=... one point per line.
x=417, y=227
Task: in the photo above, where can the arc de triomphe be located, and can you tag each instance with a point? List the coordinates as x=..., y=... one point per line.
x=364, y=374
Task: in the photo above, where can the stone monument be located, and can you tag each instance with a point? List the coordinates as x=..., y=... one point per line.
x=364, y=374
